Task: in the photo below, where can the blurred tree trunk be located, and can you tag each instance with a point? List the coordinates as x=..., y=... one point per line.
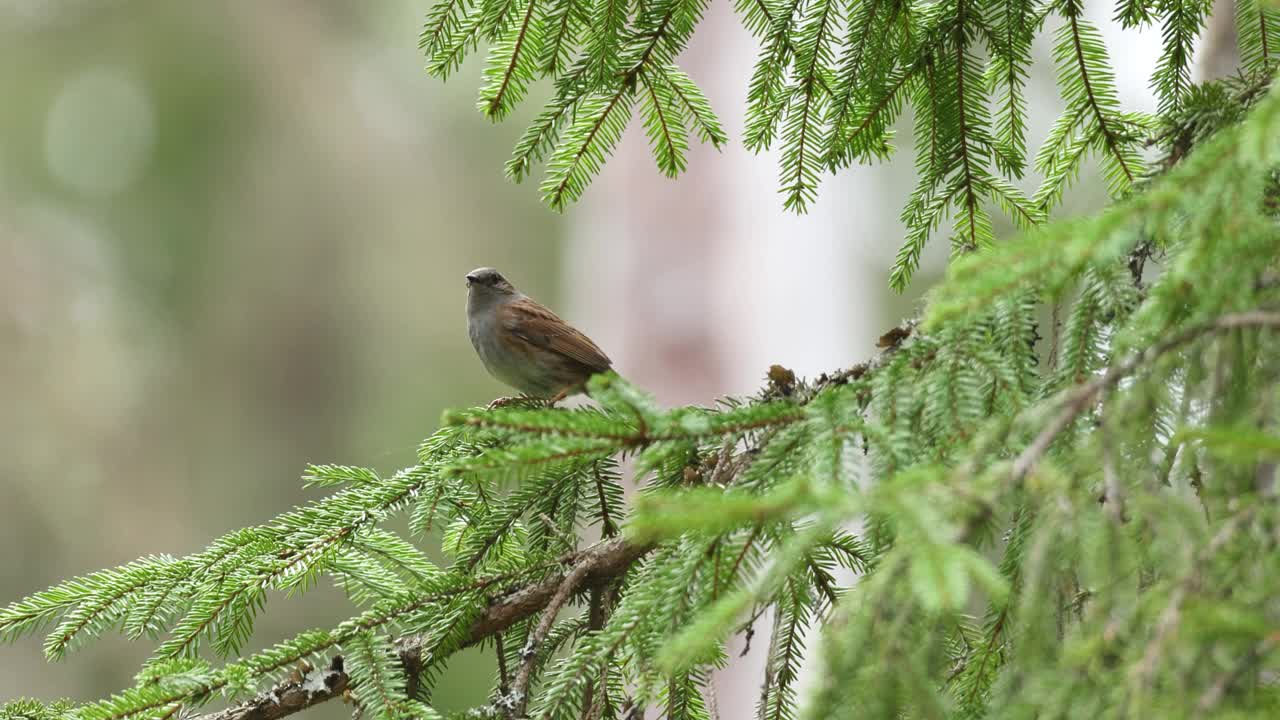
x=1219, y=54
x=657, y=270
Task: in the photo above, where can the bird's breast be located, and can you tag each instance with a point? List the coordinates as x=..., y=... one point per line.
x=506, y=358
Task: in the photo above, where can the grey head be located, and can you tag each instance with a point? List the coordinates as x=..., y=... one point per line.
x=487, y=287
x=489, y=282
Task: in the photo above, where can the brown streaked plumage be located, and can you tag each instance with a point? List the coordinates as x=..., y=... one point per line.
x=524, y=344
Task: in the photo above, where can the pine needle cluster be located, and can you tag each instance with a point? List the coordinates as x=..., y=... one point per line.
x=832, y=79
x=1053, y=495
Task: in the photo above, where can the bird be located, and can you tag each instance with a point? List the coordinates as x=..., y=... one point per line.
x=525, y=345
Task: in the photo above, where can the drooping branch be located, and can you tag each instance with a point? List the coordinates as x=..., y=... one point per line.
x=1108, y=134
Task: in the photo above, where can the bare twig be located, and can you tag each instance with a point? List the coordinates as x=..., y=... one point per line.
x=713, y=703
x=607, y=528
x=597, y=614
x=733, y=571
x=529, y=653
x=504, y=682
x=720, y=473
x=599, y=699
x=1055, y=333
x=770, y=672
x=1112, y=493
x=748, y=628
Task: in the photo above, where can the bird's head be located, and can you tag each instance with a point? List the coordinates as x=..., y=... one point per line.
x=487, y=281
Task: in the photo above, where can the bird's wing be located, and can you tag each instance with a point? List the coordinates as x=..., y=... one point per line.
x=542, y=328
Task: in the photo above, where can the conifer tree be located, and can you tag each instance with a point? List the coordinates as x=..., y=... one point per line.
x=1051, y=495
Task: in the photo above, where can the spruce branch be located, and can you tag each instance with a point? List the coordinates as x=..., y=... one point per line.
x=291, y=696
x=940, y=445
x=1167, y=623
x=520, y=689
x=1212, y=697
x=1082, y=397
x=1107, y=133
x=591, y=567
x=967, y=179
x=508, y=80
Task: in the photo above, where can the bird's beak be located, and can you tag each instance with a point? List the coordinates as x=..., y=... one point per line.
x=470, y=279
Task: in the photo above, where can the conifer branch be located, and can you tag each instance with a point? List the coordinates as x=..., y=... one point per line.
x=662, y=117
x=607, y=527
x=1107, y=134
x=860, y=35
x=970, y=198
x=932, y=443
x=1169, y=616
x=1082, y=397
x=886, y=100
x=291, y=696
x=560, y=191
x=988, y=650
x=1212, y=697
x=495, y=105
x=520, y=689
x=591, y=567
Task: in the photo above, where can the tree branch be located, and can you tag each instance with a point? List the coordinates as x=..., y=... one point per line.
x=1082, y=396
x=594, y=566
x=529, y=653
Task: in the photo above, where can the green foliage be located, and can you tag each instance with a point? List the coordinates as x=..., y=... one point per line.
x=371, y=660
x=1051, y=496
x=1257, y=27
x=831, y=80
x=26, y=709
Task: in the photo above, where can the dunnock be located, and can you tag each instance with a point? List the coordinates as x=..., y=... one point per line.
x=524, y=344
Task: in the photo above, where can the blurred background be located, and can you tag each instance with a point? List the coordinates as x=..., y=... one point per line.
x=233, y=238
